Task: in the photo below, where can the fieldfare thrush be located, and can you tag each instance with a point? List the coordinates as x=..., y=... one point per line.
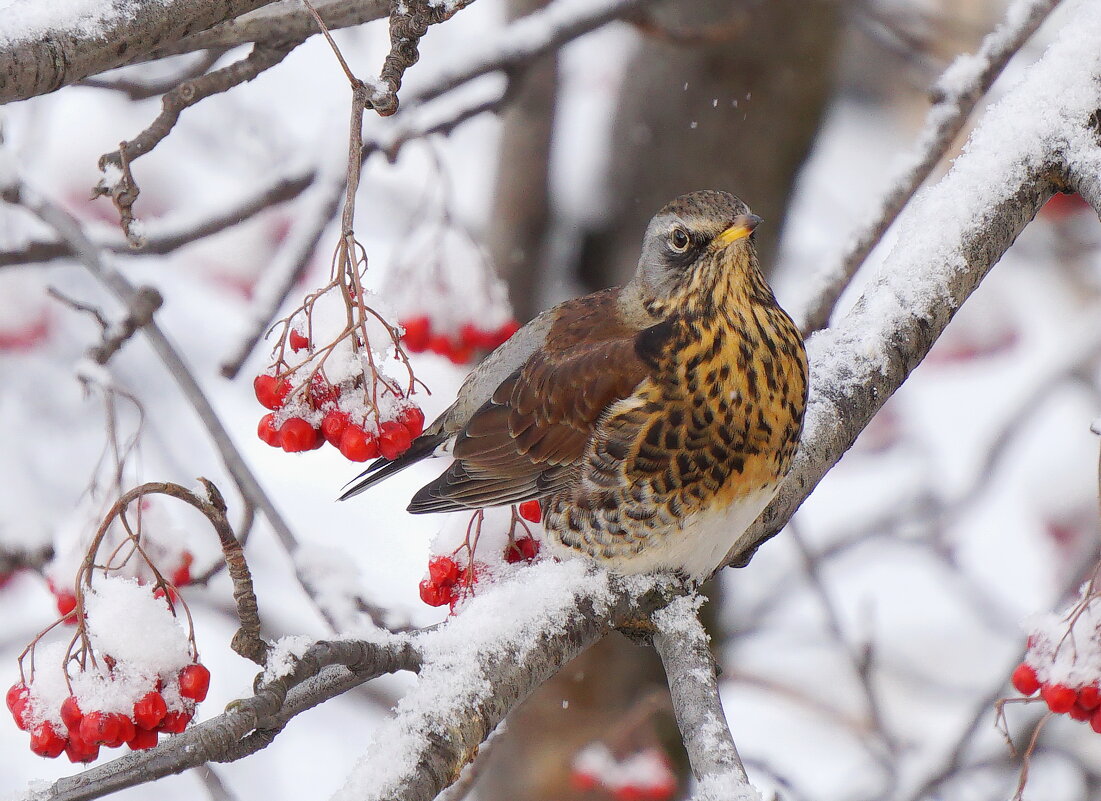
x=653, y=421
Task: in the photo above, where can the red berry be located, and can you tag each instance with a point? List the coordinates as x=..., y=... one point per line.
x=174, y=722
x=1095, y=721
x=71, y=714
x=123, y=729
x=18, y=697
x=523, y=550
x=1078, y=712
x=531, y=511
x=439, y=344
x=150, y=710
x=266, y=430
x=413, y=420
x=297, y=341
x=194, y=682
x=460, y=354
x=1089, y=697
x=583, y=781
x=1024, y=679
x=296, y=435
x=470, y=335
x=393, y=439
x=97, y=728
x=271, y=391
x=357, y=445
x=79, y=750
x=435, y=594
x=66, y=603
x=1059, y=697
x=333, y=425
x=322, y=392
x=418, y=331
x=143, y=739
x=46, y=742
x=443, y=571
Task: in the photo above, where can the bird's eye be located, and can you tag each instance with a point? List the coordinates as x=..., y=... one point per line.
x=678, y=240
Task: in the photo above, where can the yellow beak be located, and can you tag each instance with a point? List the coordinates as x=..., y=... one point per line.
x=743, y=226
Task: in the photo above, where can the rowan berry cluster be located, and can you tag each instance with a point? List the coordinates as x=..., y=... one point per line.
x=328, y=380
x=459, y=345
x=165, y=708
x=451, y=579
x=645, y=775
x=1062, y=661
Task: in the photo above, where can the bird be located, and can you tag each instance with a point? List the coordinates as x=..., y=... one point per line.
x=653, y=422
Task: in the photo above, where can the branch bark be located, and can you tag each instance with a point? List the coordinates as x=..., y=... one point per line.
x=59, y=58
x=690, y=670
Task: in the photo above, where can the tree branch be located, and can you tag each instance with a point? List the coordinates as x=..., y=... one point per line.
x=955, y=95
x=690, y=670
x=59, y=58
x=948, y=241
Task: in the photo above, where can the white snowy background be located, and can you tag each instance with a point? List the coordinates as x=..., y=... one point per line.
x=929, y=556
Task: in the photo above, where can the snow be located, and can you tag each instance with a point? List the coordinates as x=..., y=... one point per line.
x=725, y=787
x=283, y=656
x=23, y=20
x=501, y=624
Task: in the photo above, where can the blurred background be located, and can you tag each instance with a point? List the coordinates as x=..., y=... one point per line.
x=862, y=649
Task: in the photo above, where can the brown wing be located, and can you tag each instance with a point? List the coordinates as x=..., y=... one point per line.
x=526, y=441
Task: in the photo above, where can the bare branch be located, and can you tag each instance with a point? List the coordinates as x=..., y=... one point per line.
x=123, y=190
x=60, y=58
x=690, y=670
x=139, y=312
x=954, y=97
x=140, y=90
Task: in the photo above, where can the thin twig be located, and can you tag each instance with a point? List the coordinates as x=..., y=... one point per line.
x=954, y=97
x=141, y=90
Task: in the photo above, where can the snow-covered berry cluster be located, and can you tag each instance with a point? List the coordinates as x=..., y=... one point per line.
x=328, y=381
x=451, y=579
x=645, y=775
x=1063, y=662
x=460, y=344
x=135, y=676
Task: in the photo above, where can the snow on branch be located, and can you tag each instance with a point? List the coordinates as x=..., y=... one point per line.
x=949, y=238
x=690, y=670
x=66, y=49
x=955, y=95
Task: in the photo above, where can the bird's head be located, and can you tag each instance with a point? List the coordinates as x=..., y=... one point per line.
x=696, y=249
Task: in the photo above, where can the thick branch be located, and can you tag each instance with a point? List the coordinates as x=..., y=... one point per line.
x=948, y=241
x=59, y=58
x=690, y=670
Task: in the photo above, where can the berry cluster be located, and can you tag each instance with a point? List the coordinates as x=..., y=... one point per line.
x=360, y=418
x=643, y=776
x=320, y=418
x=1079, y=703
x=83, y=729
x=460, y=345
x=450, y=581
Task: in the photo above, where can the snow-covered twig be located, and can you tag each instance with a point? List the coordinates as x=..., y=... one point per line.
x=955, y=94
x=100, y=37
x=949, y=238
x=690, y=670
x=326, y=670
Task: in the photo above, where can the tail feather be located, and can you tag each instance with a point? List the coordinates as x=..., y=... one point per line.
x=383, y=468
